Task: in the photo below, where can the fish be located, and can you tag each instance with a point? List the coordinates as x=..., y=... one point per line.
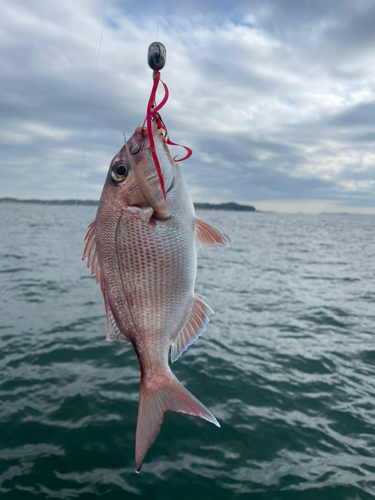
x=142, y=247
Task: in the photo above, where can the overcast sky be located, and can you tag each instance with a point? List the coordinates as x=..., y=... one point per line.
x=275, y=97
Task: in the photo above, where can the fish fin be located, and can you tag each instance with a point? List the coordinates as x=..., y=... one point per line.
x=92, y=255
x=194, y=327
x=210, y=236
x=113, y=332
x=163, y=393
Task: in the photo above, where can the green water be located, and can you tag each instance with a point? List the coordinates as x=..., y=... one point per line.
x=287, y=365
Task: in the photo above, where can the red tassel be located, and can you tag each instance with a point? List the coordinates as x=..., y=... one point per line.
x=153, y=114
x=148, y=118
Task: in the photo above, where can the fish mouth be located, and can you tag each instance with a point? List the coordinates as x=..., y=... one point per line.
x=153, y=171
x=139, y=145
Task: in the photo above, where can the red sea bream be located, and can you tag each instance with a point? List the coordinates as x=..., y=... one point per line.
x=143, y=250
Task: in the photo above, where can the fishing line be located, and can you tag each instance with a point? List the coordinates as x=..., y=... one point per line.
x=95, y=89
x=157, y=25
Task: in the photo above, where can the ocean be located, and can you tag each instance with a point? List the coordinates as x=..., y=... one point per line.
x=287, y=366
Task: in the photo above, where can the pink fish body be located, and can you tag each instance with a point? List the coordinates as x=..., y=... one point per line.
x=143, y=251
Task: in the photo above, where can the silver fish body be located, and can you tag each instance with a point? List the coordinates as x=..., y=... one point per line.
x=144, y=253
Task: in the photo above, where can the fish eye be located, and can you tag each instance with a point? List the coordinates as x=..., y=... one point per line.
x=119, y=173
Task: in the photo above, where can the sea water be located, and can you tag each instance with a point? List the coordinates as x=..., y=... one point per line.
x=287, y=365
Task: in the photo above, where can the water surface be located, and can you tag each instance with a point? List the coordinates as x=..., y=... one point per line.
x=287, y=366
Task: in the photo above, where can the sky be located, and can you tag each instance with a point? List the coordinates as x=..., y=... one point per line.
x=276, y=98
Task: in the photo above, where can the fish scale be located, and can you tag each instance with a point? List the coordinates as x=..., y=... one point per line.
x=150, y=254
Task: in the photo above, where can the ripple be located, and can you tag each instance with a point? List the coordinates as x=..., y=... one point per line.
x=287, y=365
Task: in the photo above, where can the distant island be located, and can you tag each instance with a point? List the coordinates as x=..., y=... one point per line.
x=225, y=206
x=199, y=206
x=50, y=202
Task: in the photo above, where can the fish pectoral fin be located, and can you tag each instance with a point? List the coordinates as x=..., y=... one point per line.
x=194, y=327
x=92, y=255
x=113, y=332
x=210, y=236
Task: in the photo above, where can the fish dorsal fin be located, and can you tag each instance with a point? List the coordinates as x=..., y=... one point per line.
x=92, y=255
x=210, y=236
x=113, y=332
x=194, y=327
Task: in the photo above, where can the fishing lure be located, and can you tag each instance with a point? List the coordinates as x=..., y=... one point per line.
x=157, y=55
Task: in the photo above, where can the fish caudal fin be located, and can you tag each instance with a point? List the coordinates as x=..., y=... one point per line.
x=163, y=393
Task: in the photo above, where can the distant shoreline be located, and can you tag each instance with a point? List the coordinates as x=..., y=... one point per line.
x=232, y=206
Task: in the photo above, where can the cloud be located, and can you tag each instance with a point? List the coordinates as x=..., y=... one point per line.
x=276, y=99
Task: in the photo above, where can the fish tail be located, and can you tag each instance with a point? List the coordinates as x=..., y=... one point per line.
x=163, y=393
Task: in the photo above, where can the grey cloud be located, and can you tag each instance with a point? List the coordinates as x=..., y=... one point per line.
x=240, y=148
x=51, y=100
x=268, y=183
x=360, y=115
x=358, y=173
x=355, y=27
x=356, y=124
